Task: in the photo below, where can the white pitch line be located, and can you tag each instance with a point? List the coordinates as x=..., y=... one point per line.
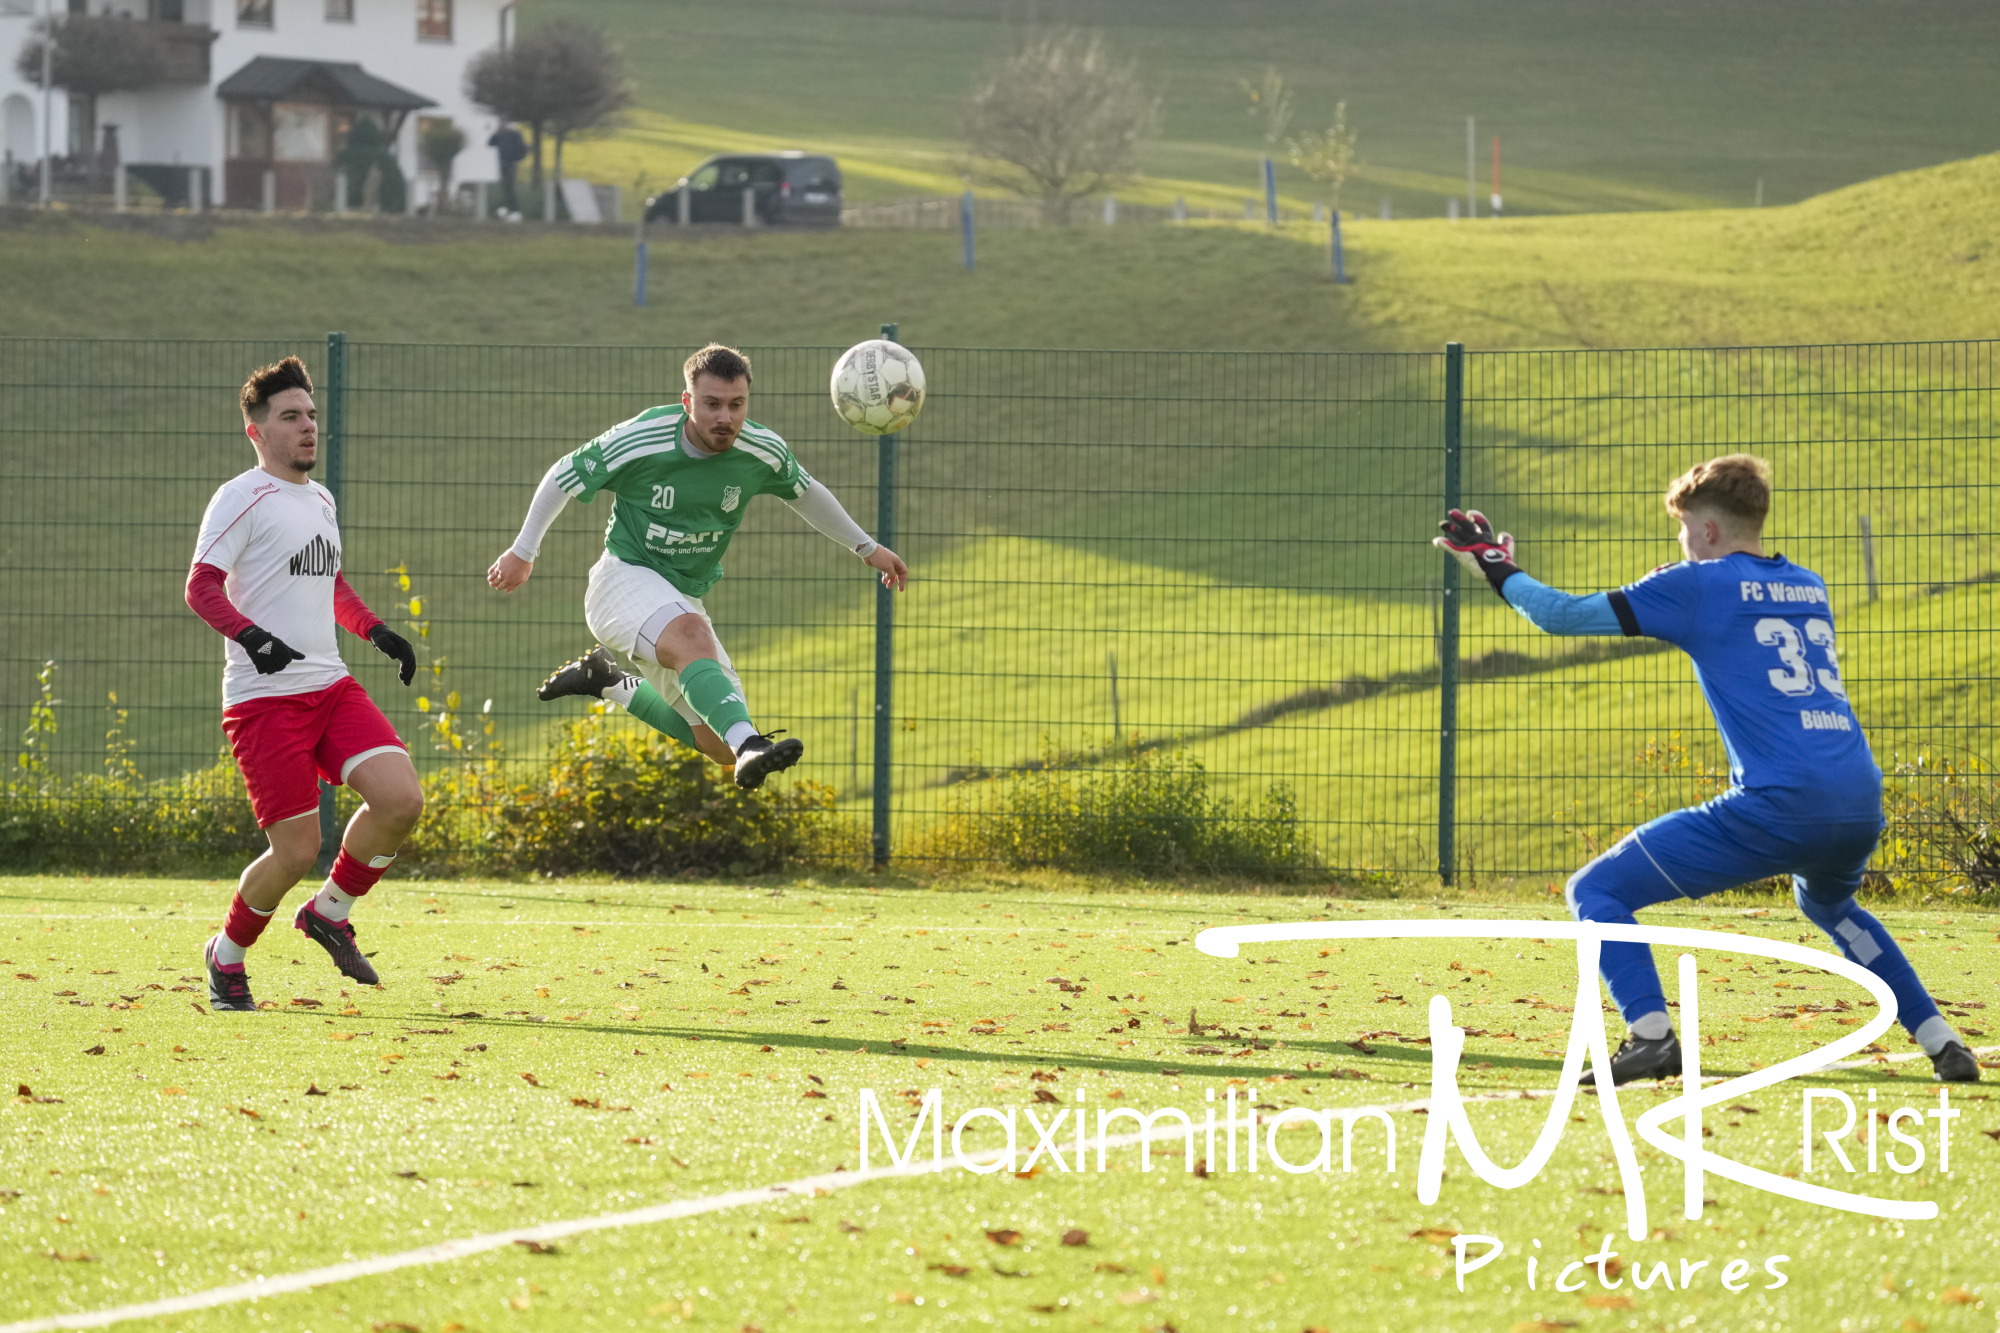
x=444, y=1251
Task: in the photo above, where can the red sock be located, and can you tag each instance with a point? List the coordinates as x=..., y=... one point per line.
x=354, y=878
x=244, y=923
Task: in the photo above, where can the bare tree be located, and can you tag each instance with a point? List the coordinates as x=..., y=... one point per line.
x=1328, y=155
x=562, y=79
x=1059, y=116
x=91, y=57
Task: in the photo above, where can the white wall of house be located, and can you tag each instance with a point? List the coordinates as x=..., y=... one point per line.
x=186, y=124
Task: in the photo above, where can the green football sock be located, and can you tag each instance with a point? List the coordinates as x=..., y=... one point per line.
x=714, y=696
x=657, y=713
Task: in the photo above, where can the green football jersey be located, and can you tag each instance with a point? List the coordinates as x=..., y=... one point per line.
x=674, y=510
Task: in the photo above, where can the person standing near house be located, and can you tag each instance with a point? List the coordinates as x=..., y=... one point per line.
x=513, y=150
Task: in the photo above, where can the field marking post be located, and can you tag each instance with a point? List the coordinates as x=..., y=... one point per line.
x=639, y=262
x=333, y=446
x=1454, y=402
x=885, y=633
x=1471, y=171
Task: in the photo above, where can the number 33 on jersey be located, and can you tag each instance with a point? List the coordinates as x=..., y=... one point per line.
x=1760, y=631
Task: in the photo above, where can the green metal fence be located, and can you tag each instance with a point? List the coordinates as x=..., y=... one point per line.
x=1123, y=563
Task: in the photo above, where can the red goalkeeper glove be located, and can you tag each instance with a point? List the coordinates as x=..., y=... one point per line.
x=1470, y=536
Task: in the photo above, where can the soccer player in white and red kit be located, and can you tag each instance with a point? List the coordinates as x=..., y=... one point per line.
x=266, y=576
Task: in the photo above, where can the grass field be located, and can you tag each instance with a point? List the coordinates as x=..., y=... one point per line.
x=553, y=1051
x=1600, y=108
x=1903, y=257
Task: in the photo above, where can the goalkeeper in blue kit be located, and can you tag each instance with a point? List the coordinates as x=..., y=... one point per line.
x=1805, y=796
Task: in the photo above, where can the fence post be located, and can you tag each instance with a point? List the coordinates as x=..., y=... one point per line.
x=885, y=632
x=965, y=224
x=332, y=448
x=1339, y=261
x=1454, y=402
x=1270, y=193
x=1868, y=554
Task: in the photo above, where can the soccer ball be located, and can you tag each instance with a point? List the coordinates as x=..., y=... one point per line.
x=878, y=387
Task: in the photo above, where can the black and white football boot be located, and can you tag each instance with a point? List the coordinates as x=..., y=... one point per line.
x=1956, y=1064
x=760, y=758
x=1637, y=1058
x=587, y=675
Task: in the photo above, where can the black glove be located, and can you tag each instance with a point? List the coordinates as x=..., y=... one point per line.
x=391, y=644
x=268, y=653
x=1469, y=536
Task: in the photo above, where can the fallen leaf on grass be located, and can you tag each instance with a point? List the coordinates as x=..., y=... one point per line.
x=520, y=1302
x=314, y=1090
x=94, y=1050
x=1542, y=1326
x=252, y=1114
x=1608, y=1301
x=902, y=1298
x=1010, y=1272
x=408, y=1175
x=304, y=1003
x=537, y=1246
x=1109, y=1267
x=1076, y=1236
x=1004, y=1237
x=949, y=1270
x=395, y=1326
x=1435, y=1235
x=1957, y=1296
x=850, y=1228
x=531, y=1080
x=642, y=1141
x=79, y=1257
x=1139, y=1297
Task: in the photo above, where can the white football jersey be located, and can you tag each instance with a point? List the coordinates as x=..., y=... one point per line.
x=279, y=543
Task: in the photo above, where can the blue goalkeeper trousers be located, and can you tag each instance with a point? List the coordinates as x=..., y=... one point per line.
x=1708, y=848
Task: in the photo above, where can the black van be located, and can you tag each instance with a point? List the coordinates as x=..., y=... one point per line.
x=799, y=189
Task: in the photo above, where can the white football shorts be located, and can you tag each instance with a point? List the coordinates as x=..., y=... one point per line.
x=626, y=607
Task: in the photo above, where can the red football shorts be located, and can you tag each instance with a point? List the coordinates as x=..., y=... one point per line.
x=284, y=745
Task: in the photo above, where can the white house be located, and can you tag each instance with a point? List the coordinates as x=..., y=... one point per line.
x=256, y=86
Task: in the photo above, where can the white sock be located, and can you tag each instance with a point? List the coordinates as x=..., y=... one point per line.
x=1934, y=1034
x=621, y=693
x=1653, y=1027
x=228, y=952
x=332, y=902
x=738, y=734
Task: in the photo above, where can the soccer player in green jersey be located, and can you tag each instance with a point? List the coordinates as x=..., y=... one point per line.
x=680, y=477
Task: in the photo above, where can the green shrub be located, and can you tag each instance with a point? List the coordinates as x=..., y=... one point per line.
x=623, y=802
x=1147, y=810
x=1944, y=824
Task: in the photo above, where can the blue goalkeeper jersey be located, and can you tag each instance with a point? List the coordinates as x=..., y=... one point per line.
x=1761, y=635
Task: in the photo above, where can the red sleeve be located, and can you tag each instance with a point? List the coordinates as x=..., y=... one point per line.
x=209, y=599
x=349, y=611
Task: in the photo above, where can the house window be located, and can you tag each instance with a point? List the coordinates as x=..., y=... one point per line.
x=299, y=133
x=254, y=13
x=250, y=131
x=433, y=20
x=340, y=11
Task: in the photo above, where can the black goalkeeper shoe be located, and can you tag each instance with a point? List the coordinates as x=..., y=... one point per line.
x=759, y=759
x=589, y=674
x=228, y=987
x=1956, y=1064
x=337, y=938
x=1638, y=1059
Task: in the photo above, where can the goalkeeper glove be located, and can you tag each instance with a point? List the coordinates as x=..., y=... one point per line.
x=391, y=644
x=268, y=653
x=1469, y=536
